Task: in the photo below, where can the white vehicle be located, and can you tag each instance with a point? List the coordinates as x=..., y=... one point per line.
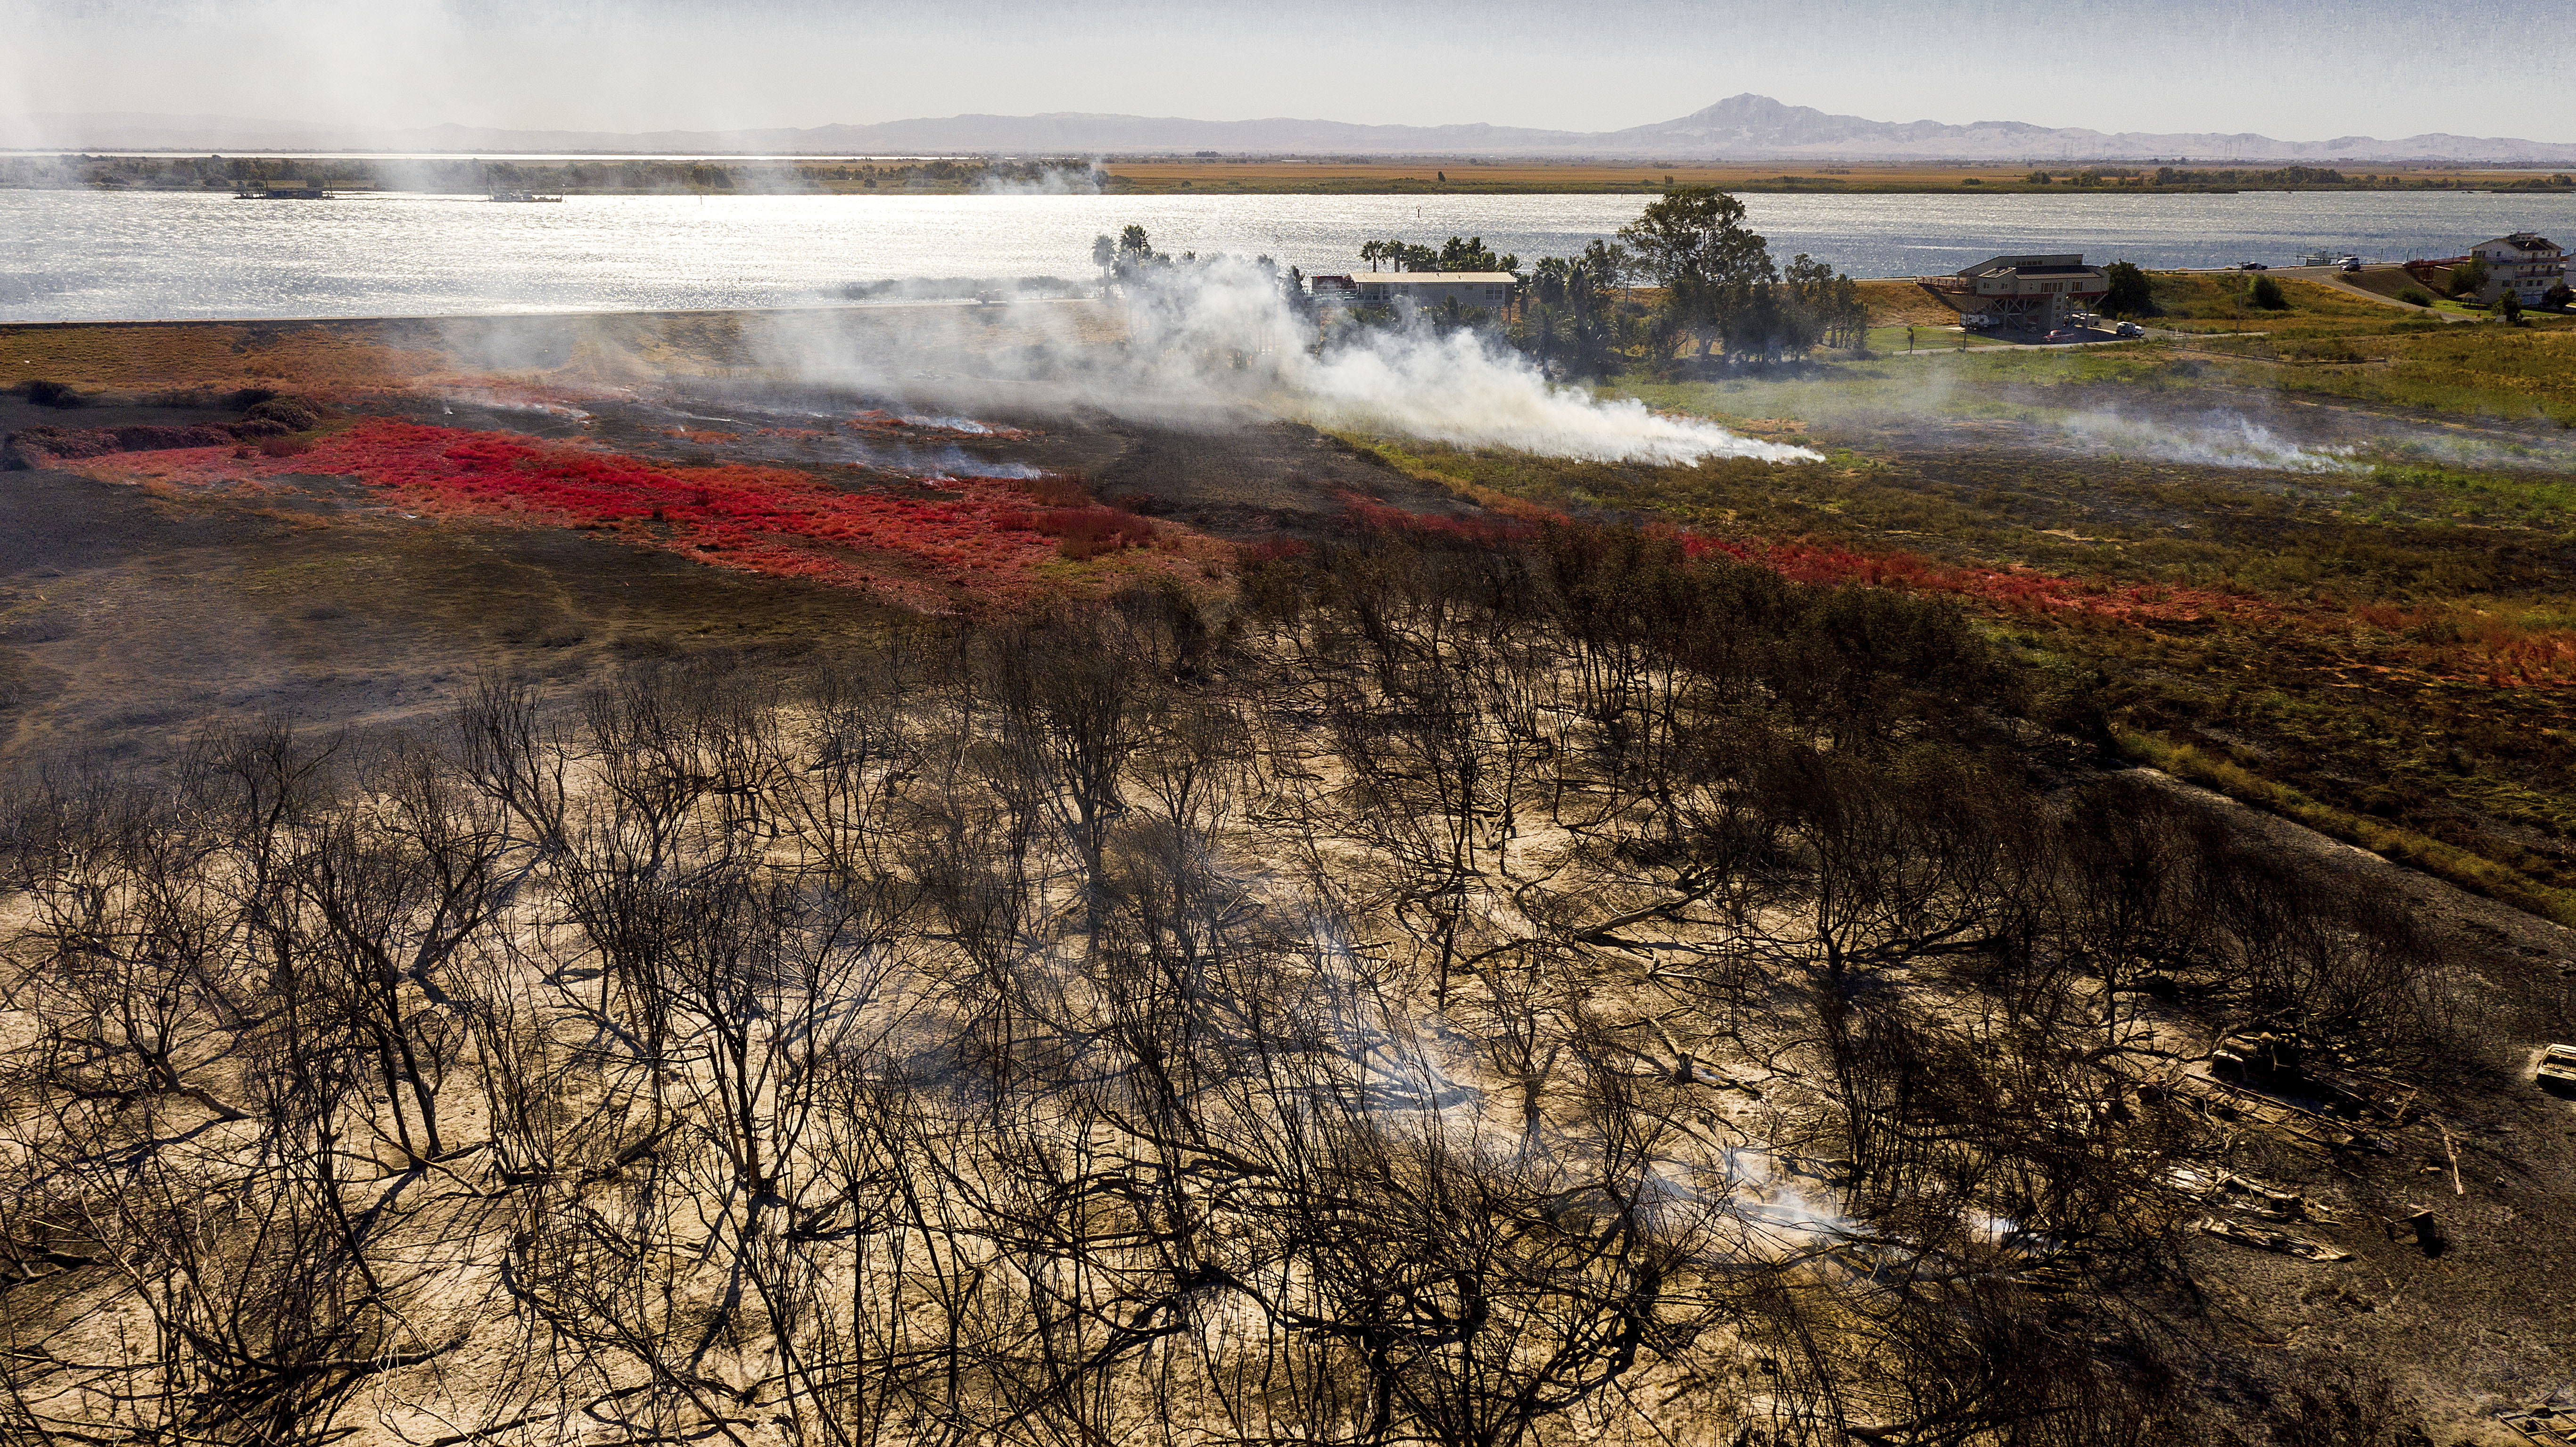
x=1977, y=321
x=2128, y=329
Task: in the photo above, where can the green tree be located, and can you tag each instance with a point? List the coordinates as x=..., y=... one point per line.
x=1400, y=256
x=1818, y=305
x=2557, y=298
x=2266, y=295
x=2469, y=277
x=1135, y=253
x=1695, y=243
x=1472, y=255
x=2130, y=294
x=2508, y=306
x=1570, y=322
x=1467, y=253
x=1610, y=266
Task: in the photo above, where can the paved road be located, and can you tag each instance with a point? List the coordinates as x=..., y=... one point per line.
x=1931, y=345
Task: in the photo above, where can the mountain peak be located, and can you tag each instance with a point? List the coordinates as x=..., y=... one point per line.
x=1745, y=127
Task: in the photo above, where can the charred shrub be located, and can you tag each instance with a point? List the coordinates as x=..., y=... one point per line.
x=1056, y=489
x=295, y=415
x=2345, y=966
x=52, y=394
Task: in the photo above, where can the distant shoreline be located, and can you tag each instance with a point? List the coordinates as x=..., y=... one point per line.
x=666, y=175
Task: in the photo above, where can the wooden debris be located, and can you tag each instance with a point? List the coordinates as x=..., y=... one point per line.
x=2542, y=1424
x=2557, y=1072
x=2264, y=1238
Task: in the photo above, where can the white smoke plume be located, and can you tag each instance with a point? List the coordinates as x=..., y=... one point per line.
x=1460, y=390
x=2215, y=439
x=1415, y=381
x=1222, y=334
x=1050, y=181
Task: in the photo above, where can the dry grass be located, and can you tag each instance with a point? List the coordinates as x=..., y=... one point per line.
x=375, y=355
x=325, y=356
x=1166, y=175
x=1903, y=304
x=2218, y=301
x=1475, y=175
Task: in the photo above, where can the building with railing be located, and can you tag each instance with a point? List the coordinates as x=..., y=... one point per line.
x=2526, y=263
x=2021, y=293
x=1483, y=290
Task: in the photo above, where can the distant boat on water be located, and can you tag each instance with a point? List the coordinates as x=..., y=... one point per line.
x=522, y=196
x=285, y=193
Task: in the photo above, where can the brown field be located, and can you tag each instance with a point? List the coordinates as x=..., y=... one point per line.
x=1173, y=175
x=1176, y=174
x=1903, y=304
x=1161, y=176
x=366, y=355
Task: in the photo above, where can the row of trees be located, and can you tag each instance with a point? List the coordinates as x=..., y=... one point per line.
x=1477, y=990
x=1457, y=254
x=1723, y=294
x=1572, y=319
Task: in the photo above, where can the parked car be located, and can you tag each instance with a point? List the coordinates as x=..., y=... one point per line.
x=2128, y=329
x=2352, y=263
x=2064, y=334
x=2252, y=266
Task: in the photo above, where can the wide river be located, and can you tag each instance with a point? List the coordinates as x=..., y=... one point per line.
x=91, y=256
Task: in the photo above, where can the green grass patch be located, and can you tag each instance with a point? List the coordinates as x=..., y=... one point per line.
x=2470, y=871
x=2399, y=672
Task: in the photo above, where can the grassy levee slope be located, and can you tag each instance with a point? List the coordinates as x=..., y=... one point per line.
x=2326, y=569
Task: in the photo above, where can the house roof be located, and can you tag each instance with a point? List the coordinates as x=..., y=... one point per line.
x=1434, y=278
x=2063, y=263
x=2523, y=241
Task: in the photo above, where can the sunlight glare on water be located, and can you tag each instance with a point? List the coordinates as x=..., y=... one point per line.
x=76, y=255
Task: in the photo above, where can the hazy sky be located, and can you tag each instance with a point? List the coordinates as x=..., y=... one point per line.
x=2298, y=70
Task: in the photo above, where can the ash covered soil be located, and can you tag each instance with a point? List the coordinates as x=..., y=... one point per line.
x=2472, y=1311
x=130, y=618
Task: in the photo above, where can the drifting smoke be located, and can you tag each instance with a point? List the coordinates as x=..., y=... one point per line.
x=947, y=461
x=1456, y=387
x=2216, y=439
x=1222, y=335
x=1460, y=390
x=490, y=402
x=2230, y=439
x=1053, y=181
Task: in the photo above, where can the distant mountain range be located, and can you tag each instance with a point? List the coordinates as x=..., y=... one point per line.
x=1739, y=128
